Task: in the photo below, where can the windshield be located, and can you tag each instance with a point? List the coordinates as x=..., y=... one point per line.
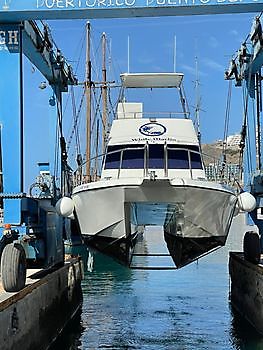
x=178, y=157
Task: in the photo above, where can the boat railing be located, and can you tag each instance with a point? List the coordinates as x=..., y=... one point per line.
x=215, y=170
x=152, y=115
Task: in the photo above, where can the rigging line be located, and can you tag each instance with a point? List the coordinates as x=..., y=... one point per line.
x=121, y=94
x=94, y=53
x=59, y=114
x=115, y=104
x=257, y=116
x=115, y=68
x=82, y=42
x=58, y=103
x=97, y=106
x=74, y=110
x=249, y=154
x=77, y=119
x=247, y=136
x=113, y=108
x=243, y=133
x=59, y=119
x=227, y=118
x=56, y=168
x=108, y=54
x=248, y=141
x=244, y=130
x=76, y=124
x=254, y=125
x=185, y=101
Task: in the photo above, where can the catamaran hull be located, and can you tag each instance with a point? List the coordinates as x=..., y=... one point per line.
x=195, y=215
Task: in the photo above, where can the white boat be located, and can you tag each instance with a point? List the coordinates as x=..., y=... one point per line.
x=153, y=174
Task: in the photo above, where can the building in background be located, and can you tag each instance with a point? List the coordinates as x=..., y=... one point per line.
x=233, y=140
x=215, y=169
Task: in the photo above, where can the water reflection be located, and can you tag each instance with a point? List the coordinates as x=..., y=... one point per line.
x=185, y=309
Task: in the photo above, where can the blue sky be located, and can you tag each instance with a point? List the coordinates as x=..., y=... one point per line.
x=213, y=39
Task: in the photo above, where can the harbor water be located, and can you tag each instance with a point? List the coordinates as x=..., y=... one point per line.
x=166, y=309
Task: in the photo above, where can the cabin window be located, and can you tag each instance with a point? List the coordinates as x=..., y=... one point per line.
x=133, y=157
x=178, y=158
x=196, y=162
x=113, y=159
x=156, y=156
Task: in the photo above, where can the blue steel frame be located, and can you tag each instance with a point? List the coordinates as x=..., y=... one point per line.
x=11, y=116
x=17, y=10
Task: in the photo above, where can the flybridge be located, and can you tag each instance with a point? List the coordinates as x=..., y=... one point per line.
x=17, y=10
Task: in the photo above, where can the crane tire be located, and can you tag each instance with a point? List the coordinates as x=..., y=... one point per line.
x=251, y=247
x=13, y=267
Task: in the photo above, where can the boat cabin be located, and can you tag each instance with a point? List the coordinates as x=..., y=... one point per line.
x=161, y=145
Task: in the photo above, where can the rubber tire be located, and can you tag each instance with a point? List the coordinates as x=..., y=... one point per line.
x=13, y=267
x=251, y=247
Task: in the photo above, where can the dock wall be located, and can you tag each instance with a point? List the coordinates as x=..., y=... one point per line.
x=247, y=289
x=32, y=318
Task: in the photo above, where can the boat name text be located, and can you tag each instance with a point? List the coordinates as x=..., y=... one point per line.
x=142, y=139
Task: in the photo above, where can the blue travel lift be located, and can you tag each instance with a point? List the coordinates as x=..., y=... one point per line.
x=247, y=66
x=31, y=231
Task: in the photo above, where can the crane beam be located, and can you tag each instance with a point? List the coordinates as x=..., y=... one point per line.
x=17, y=10
x=40, y=50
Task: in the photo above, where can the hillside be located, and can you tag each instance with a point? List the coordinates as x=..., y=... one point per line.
x=215, y=151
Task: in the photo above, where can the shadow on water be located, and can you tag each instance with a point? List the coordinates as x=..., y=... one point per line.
x=107, y=275
x=243, y=335
x=69, y=339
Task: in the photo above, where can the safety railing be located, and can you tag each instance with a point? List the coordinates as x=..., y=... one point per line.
x=151, y=115
x=215, y=169
x=146, y=168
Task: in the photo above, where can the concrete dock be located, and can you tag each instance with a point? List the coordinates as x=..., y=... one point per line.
x=33, y=317
x=247, y=288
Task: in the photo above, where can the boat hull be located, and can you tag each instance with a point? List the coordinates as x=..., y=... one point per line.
x=195, y=215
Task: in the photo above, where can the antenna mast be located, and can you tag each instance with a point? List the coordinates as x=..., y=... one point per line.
x=174, y=54
x=128, y=53
x=197, y=99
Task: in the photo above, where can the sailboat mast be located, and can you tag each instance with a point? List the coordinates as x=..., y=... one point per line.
x=104, y=93
x=88, y=103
